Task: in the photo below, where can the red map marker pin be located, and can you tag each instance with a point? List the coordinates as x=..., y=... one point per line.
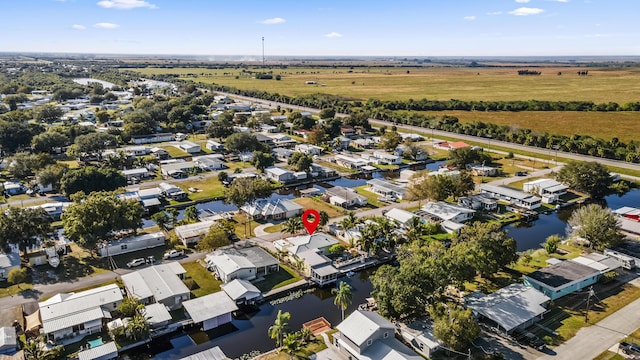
x=311, y=225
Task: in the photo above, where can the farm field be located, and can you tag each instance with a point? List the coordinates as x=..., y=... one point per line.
x=605, y=125
x=619, y=85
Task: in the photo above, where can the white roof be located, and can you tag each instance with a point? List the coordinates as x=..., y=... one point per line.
x=326, y=270
x=215, y=353
x=271, y=207
x=209, y=306
x=8, y=338
x=238, y=289
x=160, y=281
x=508, y=192
x=9, y=260
x=389, y=349
x=360, y=325
x=510, y=306
x=156, y=313
x=104, y=351
x=400, y=215
x=151, y=192
x=594, y=261
x=135, y=171
x=444, y=210
x=303, y=243
x=313, y=258
x=624, y=210
x=229, y=264
x=66, y=310
x=277, y=171
x=195, y=229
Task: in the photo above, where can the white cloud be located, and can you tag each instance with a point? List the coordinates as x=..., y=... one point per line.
x=106, y=25
x=273, y=21
x=333, y=35
x=494, y=13
x=125, y=4
x=562, y=1
x=78, y=27
x=522, y=1
x=470, y=18
x=525, y=11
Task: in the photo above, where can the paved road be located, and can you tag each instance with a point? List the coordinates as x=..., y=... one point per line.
x=411, y=128
x=593, y=340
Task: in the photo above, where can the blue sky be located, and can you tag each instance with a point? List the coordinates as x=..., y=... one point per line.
x=323, y=28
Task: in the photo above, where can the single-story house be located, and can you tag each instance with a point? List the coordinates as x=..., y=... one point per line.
x=411, y=136
x=384, y=158
x=478, y=202
x=180, y=169
x=549, y=189
x=14, y=188
x=158, y=284
x=214, y=146
x=210, y=162
x=318, y=267
x=452, y=145
x=514, y=197
x=347, y=131
x=138, y=173
x=283, y=140
x=351, y=162
x=366, y=335
x=318, y=240
x=367, y=143
x=419, y=334
x=322, y=171
x=159, y=153
x=282, y=154
x=308, y=149
x=400, y=217
x=151, y=138
x=8, y=340
x=139, y=150
x=75, y=315
x=247, y=263
x=344, y=197
x=8, y=262
x=268, y=128
x=272, y=209
x=171, y=191
x=562, y=279
x=446, y=211
x=387, y=188
x=158, y=316
x=482, y=170
x=106, y=351
x=192, y=233
x=189, y=147
x=241, y=291
x=516, y=306
x=279, y=174
x=123, y=246
x=264, y=139
x=215, y=353
x=211, y=310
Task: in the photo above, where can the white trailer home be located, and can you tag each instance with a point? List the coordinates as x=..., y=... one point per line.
x=127, y=245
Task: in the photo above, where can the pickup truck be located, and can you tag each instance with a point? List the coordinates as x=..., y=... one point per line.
x=173, y=254
x=628, y=348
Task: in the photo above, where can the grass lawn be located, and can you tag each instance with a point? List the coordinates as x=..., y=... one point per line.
x=568, y=314
x=372, y=198
x=7, y=289
x=284, y=276
x=210, y=187
x=318, y=204
x=316, y=345
x=336, y=167
x=274, y=228
x=538, y=258
x=205, y=282
x=174, y=152
x=609, y=355
x=520, y=183
x=242, y=227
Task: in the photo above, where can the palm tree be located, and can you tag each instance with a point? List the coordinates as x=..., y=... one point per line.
x=292, y=344
x=292, y=225
x=344, y=296
x=279, y=327
x=137, y=327
x=173, y=215
x=415, y=230
x=34, y=351
x=191, y=214
x=368, y=237
x=324, y=218
x=161, y=219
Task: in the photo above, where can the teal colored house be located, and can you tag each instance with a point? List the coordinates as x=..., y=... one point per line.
x=562, y=279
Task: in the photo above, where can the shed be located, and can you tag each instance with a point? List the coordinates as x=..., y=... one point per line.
x=241, y=291
x=106, y=351
x=8, y=340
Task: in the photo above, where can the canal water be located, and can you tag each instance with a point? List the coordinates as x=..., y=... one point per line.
x=249, y=332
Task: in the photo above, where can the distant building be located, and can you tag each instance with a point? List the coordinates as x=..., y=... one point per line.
x=189, y=147
x=151, y=138
x=8, y=262
x=344, y=197
x=279, y=174
x=549, y=189
x=272, y=209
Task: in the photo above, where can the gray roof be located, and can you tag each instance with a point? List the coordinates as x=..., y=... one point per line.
x=344, y=193
x=562, y=273
x=209, y=306
x=9, y=260
x=444, y=210
x=360, y=325
x=102, y=352
x=215, y=353
x=303, y=243
x=195, y=229
x=8, y=339
x=510, y=306
x=326, y=270
x=508, y=192
x=238, y=289
x=65, y=310
x=258, y=256
x=389, y=349
x=179, y=166
x=156, y=313
x=229, y=263
x=160, y=281
x=386, y=185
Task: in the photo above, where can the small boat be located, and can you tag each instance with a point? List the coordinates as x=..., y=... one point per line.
x=350, y=274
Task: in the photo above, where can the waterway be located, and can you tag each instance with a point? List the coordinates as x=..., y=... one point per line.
x=249, y=332
x=86, y=81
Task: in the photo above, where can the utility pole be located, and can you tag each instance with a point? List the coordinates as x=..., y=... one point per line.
x=263, y=51
x=586, y=314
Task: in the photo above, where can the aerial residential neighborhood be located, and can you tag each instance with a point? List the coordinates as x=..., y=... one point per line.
x=332, y=207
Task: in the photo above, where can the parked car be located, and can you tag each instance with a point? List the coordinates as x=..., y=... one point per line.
x=628, y=348
x=530, y=339
x=136, y=262
x=173, y=254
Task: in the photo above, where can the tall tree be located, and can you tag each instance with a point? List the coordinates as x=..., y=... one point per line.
x=466, y=156
x=436, y=187
x=597, y=225
x=317, y=135
x=215, y=238
x=91, y=145
x=48, y=113
x=90, y=178
x=52, y=175
x=49, y=141
x=324, y=218
x=242, y=142
x=462, y=185
x=279, y=327
x=390, y=140
x=291, y=345
x=137, y=328
x=262, y=160
x=23, y=227
x=95, y=217
x=590, y=177
x=551, y=244
x=191, y=214
x=300, y=161
x=454, y=326
x=492, y=247
x=344, y=296
x=23, y=164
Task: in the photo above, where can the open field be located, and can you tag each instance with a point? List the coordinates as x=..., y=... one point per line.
x=602, y=85
x=624, y=125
